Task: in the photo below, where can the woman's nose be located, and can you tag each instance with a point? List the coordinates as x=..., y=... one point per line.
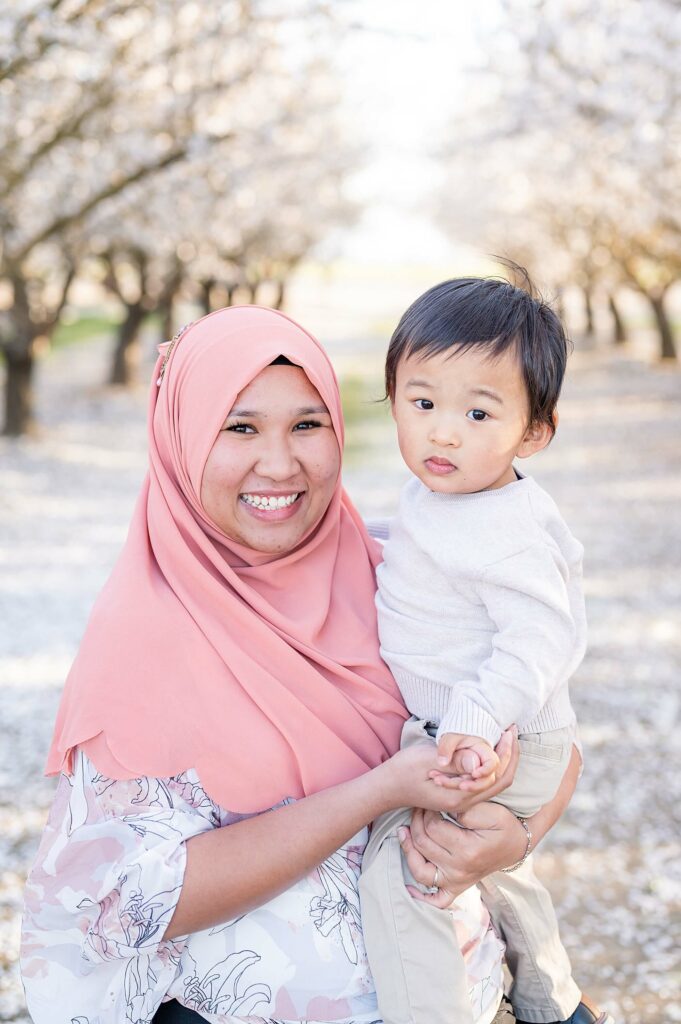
x=278, y=461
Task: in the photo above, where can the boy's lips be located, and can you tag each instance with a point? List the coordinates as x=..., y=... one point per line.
x=439, y=466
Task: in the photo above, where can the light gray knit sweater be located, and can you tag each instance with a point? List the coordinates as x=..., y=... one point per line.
x=480, y=609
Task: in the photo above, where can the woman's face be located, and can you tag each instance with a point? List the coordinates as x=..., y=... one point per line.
x=272, y=470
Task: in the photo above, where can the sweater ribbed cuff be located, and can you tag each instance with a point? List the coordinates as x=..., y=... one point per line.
x=465, y=717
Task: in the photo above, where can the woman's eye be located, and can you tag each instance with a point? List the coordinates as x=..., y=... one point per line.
x=477, y=414
x=424, y=404
x=241, y=428
x=307, y=425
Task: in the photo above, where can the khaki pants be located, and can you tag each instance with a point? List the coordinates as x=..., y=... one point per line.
x=412, y=948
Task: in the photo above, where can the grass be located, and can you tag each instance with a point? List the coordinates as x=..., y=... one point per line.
x=92, y=325
x=363, y=412
x=83, y=329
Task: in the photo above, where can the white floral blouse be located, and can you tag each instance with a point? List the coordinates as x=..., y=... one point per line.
x=104, y=887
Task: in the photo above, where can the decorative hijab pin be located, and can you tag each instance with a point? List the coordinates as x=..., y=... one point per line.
x=165, y=349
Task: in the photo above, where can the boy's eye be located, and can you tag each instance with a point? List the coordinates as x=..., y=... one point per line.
x=423, y=403
x=477, y=414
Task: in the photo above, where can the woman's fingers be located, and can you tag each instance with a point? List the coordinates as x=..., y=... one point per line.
x=424, y=842
x=423, y=871
x=507, y=750
x=483, y=785
x=488, y=837
x=421, y=867
x=415, y=859
x=442, y=898
x=422, y=855
x=447, y=781
x=455, y=849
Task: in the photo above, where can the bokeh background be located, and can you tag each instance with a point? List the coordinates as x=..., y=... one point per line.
x=161, y=158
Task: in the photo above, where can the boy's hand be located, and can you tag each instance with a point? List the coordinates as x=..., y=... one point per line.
x=470, y=757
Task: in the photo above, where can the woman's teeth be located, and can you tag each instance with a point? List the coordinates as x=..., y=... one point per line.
x=272, y=502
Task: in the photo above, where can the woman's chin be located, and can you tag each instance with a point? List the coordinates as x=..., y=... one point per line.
x=277, y=531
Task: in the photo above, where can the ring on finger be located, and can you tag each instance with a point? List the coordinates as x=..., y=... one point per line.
x=435, y=887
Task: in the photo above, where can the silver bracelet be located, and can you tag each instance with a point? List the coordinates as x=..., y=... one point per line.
x=519, y=863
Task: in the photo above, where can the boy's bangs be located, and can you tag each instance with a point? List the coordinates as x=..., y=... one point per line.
x=425, y=348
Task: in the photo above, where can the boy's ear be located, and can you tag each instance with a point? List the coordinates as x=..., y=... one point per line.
x=537, y=436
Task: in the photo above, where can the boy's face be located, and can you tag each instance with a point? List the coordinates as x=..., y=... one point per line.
x=462, y=417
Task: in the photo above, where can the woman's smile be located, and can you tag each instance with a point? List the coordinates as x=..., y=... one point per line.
x=272, y=506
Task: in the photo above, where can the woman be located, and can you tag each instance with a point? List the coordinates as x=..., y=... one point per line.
x=231, y=667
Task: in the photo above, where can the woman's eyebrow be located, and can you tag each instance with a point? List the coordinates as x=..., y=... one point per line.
x=250, y=413
x=253, y=414
x=309, y=410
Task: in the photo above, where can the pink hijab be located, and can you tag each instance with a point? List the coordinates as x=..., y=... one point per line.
x=261, y=672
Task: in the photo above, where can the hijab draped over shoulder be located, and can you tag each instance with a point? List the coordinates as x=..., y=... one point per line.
x=260, y=672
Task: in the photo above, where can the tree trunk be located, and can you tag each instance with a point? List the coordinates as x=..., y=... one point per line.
x=166, y=309
x=280, y=295
x=206, y=292
x=588, y=312
x=126, y=352
x=619, y=334
x=166, y=304
x=664, y=327
x=20, y=362
x=252, y=290
x=231, y=291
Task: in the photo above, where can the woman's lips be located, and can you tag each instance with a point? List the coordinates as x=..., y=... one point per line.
x=439, y=466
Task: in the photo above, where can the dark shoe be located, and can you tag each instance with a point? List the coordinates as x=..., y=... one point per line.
x=585, y=1015
x=173, y=1012
x=588, y=1015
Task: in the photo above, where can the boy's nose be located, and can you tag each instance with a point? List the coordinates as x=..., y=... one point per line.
x=445, y=438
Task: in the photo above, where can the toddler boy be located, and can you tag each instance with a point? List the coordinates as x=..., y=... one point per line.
x=481, y=620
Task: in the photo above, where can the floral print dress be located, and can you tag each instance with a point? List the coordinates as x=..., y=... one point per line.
x=105, y=884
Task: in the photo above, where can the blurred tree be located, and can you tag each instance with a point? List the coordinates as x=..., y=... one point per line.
x=258, y=231
x=220, y=230
x=574, y=134
x=101, y=100
x=94, y=98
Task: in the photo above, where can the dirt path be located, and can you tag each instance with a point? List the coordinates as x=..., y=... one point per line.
x=614, y=862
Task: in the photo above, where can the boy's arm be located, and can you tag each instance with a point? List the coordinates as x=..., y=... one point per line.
x=535, y=644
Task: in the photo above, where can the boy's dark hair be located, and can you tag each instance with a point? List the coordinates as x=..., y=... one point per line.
x=489, y=313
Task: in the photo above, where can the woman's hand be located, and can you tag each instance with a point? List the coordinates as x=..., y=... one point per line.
x=414, y=778
x=493, y=838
